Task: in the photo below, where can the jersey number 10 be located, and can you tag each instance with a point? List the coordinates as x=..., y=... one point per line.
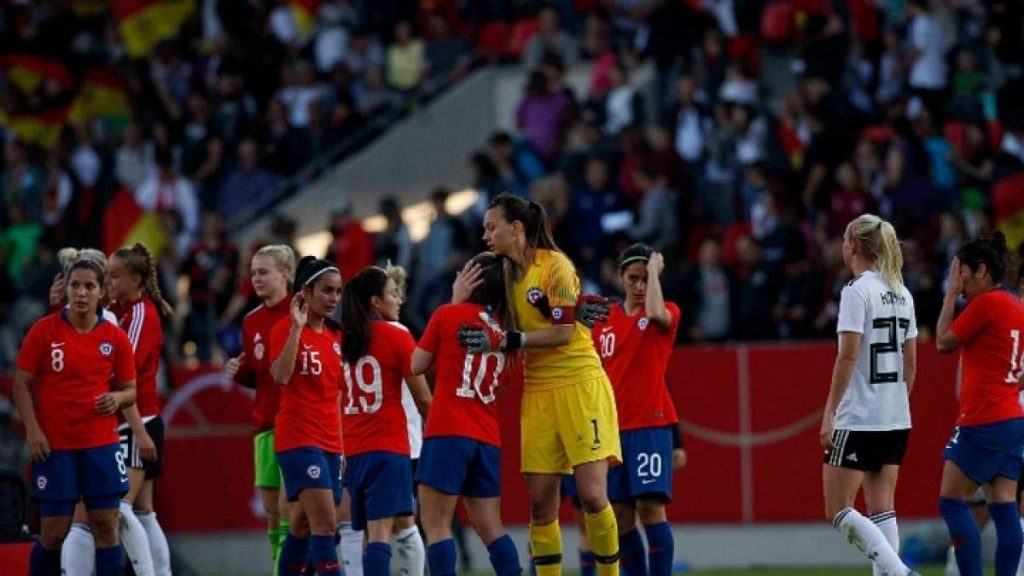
x=1016, y=360
x=473, y=385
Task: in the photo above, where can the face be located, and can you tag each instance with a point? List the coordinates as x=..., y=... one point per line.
x=849, y=248
x=120, y=280
x=267, y=279
x=500, y=234
x=84, y=291
x=389, y=304
x=323, y=297
x=974, y=282
x=634, y=282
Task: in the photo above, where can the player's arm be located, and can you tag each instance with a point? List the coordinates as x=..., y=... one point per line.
x=284, y=365
x=421, y=361
x=846, y=360
x=654, y=299
x=910, y=363
x=946, y=340
x=420, y=391
x=38, y=445
x=120, y=398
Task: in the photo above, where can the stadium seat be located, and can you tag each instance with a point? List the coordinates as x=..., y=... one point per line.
x=522, y=32
x=492, y=39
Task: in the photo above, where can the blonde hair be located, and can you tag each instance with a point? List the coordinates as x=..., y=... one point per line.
x=284, y=259
x=877, y=239
x=68, y=256
x=399, y=276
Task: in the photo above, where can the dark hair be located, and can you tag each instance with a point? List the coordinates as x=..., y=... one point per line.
x=139, y=261
x=355, y=310
x=96, y=268
x=309, y=269
x=493, y=291
x=992, y=252
x=633, y=254
x=532, y=216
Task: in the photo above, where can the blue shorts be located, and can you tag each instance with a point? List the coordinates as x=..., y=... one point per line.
x=461, y=466
x=380, y=484
x=646, y=469
x=310, y=467
x=98, y=476
x=986, y=451
x=568, y=488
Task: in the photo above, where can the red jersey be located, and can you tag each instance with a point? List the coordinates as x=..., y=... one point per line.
x=71, y=369
x=309, y=415
x=372, y=415
x=254, y=372
x=991, y=329
x=141, y=321
x=635, y=355
x=466, y=384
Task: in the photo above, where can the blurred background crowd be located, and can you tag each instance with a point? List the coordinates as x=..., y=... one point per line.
x=762, y=127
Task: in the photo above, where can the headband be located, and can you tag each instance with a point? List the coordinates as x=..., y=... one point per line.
x=319, y=273
x=627, y=261
x=89, y=264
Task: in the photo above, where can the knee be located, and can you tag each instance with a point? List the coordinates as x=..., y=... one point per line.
x=593, y=501
x=651, y=512
x=543, y=510
x=52, y=537
x=625, y=517
x=489, y=532
x=299, y=529
x=273, y=518
x=104, y=531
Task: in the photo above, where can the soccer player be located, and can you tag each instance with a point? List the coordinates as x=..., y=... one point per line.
x=305, y=352
x=75, y=371
x=635, y=345
x=985, y=449
x=462, y=451
x=377, y=357
x=569, y=422
x=271, y=271
x=866, y=423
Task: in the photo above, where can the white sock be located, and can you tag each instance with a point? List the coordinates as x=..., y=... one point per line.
x=886, y=522
x=157, y=543
x=351, y=553
x=135, y=541
x=410, y=556
x=866, y=537
x=78, y=555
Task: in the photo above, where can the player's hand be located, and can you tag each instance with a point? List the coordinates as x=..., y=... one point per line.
x=298, y=311
x=233, y=365
x=106, y=404
x=828, y=425
x=655, y=264
x=57, y=291
x=481, y=338
x=678, y=458
x=466, y=280
x=591, y=309
x=147, y=448
x=38, y=445
x=956, y=283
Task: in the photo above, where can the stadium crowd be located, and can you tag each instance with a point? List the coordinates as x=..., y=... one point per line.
x=910, y=108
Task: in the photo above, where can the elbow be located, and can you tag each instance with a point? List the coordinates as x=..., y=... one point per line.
x=943, y=348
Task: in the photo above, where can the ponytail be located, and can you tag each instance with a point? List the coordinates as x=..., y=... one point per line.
x=355, y=311
x=879, y=243
x=532, y=216
x=139, y=261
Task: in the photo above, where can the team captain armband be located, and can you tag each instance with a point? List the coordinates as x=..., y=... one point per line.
x=563, y=314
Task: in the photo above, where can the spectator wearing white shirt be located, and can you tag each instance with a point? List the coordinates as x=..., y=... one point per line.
x=927, y=47
x=165, y=190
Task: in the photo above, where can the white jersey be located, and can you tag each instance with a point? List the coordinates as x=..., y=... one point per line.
x=876, y=397
x=413, y=420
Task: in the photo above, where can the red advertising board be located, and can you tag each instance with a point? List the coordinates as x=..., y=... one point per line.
x=751, y=416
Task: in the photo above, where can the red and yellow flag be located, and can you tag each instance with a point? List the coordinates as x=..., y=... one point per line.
x=39, y=128
x=103, y=96
x=27, y=72
x=304, y=12
x=144, y=23
x=125, y=223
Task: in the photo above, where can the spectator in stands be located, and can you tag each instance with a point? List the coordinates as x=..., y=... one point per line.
x=234, y=109
x=58, y=190
x=351, y=248
x=622, y=107
x=248, y=187
x=658, y=222
x=18, y=242
x=517, y=165
x=407, y=62
x=365, y=52
x=926, y=53
x=438, y=257
x=394, y=244
x=693, y=124
x=209, y=274
x=334, y=19
x=757, y=288
x=165, y=190
x=588, y=242
x=541, y=116
x=449, y=56
x=134, y=158
x=799, y=298
x=377, y=96
x=705, y=296
x=847, y=200
x=21, y=181
x=202, y=151
x=549, y=40
x=299, y=89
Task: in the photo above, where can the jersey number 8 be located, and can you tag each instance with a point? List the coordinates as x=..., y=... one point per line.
x=374, y=386
x=57, y=359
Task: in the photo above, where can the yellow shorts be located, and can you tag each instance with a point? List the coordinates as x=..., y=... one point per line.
x=569, y=425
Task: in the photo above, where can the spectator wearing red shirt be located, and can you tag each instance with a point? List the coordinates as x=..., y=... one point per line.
x=462, y=448
x=271, y=273
x=210, y=269
x=305, y=353
x=986, y=445
x=352, y=248
x=65, y=395
x=377, y=357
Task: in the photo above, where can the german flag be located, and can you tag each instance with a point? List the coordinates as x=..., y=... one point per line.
x=27, y=72
x=144, y=23
x=304, y=12
x=105, y=97
x=39, y=128
x=125, y=223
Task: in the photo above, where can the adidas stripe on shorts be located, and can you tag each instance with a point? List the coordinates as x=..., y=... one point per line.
x=867, y=450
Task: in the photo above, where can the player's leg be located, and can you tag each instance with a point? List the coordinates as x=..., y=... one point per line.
x=544, y=461
x=133, y=533
x=386, y=495
x=545, y=535
x=377, y=557
x=295, y=549
x=631, y=543
x=56, y=489
x=879, y=497
x=267, y=478
x=840, y=487
x=436, y=512
x=319, y=508
x=78, y=554
x=144, y=509
x=351, y=545
x=103, y=517
x=660, y=540
x=482, y=491
x=410, y=553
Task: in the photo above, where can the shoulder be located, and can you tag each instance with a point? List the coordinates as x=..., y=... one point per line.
x=254, y=313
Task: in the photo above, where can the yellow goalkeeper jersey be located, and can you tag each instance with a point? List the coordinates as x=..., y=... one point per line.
x=544, y=297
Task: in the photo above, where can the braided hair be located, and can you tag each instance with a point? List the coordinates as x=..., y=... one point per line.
x=139, y=261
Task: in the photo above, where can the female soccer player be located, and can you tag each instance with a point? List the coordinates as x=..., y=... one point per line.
x=377, y=358
x=985, y=449
x=866, y=422
x=635, y=345
x=80, y=371
x=271, y=272
x=462, y=450
x=568, y=416
x=305, y=353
